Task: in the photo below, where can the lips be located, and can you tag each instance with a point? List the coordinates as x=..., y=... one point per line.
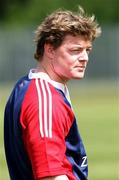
x=80, y=68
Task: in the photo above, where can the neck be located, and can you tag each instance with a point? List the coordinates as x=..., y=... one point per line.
x=42, y=67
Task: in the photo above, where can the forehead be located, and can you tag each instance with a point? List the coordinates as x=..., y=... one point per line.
x=70, y=40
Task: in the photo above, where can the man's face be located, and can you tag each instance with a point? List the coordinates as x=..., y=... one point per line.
x=71, y=58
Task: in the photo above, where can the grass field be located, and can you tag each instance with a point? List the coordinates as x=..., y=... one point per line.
x=97, y=109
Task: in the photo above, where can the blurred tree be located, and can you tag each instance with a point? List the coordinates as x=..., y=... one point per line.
x=5, y=6
x=32, y=11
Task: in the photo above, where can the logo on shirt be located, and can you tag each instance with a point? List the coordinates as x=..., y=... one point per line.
x=84, y=161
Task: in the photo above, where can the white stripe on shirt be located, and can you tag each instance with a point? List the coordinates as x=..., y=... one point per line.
x=45, y=112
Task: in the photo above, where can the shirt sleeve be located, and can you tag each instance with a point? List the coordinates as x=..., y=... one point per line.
x=45, y=123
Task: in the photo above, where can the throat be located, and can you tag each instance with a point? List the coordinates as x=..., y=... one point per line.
x=52, y=73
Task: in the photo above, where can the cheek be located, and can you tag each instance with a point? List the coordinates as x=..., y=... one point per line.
x=64, y=61
x=69, y=61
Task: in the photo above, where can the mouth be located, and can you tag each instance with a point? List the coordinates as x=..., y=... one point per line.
x=80, y=68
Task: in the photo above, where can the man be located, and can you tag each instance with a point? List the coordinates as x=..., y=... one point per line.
x=42, y=140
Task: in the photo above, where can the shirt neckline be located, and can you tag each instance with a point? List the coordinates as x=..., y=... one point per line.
x=33, y=75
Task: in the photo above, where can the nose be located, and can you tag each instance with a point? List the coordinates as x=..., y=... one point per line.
x=83, y=56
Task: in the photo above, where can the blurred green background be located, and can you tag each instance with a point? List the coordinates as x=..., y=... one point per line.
x=95, y=99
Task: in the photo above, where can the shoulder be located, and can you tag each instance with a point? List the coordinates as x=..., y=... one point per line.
x=18, y=90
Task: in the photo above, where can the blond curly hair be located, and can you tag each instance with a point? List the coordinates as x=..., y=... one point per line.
x=61, y=23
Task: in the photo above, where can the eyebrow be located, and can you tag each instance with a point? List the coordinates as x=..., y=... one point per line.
x=80, y=46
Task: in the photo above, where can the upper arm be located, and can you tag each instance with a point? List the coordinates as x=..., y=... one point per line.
x=44, y=131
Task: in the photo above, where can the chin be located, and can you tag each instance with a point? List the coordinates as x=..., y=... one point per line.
x=80, y=76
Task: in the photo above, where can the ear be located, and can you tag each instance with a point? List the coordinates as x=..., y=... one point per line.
x=49, y=51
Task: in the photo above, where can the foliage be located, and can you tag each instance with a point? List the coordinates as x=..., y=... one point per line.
x=6, y=6
x=32, y=11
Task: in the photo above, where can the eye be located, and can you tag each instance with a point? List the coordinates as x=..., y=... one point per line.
x=75, y=51
x=88, y=50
